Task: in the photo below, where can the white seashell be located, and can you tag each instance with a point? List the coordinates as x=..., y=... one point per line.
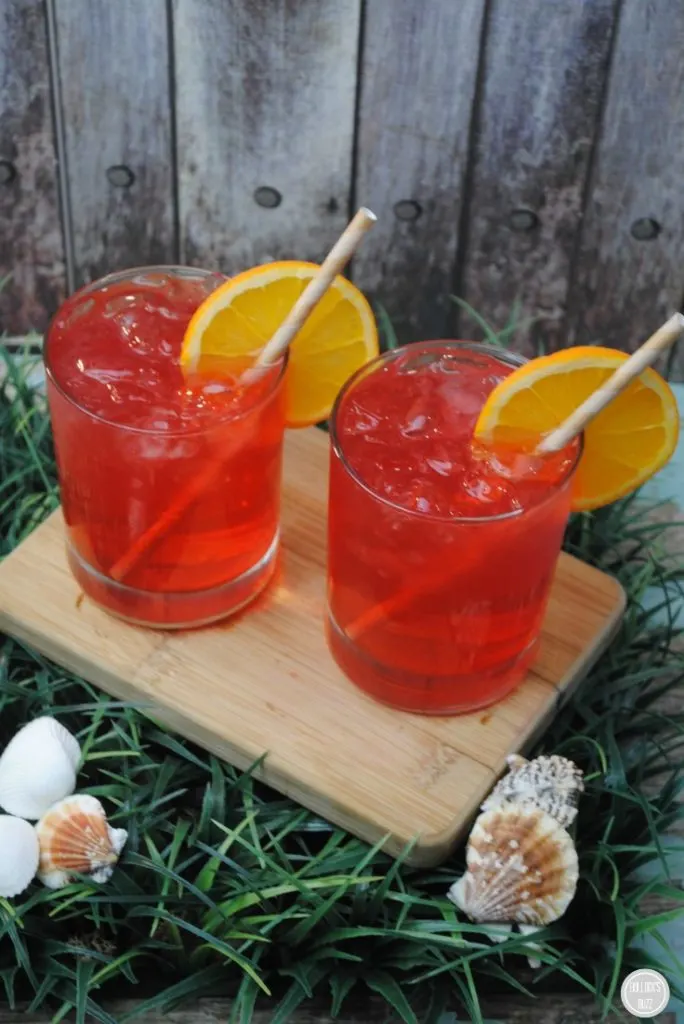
x=529, y=929
x=552, y=783
x=75, y=838
x=38, y=768
x=521, y=868
x=19, y=853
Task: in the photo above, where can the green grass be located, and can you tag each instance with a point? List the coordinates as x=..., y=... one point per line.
x=227, y=886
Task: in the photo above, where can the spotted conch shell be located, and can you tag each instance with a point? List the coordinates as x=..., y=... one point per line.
x=75, y=838
x=521, y=868
x=550, y=782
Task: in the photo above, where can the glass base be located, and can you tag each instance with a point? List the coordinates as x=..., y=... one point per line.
x=425, y=694
x=174, y=609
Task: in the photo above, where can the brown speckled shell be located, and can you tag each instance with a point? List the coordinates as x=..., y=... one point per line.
x=521, y=868
x=550, y=782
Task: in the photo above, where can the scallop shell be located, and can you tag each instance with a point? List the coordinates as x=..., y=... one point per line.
x=552, y=783
x=19, y=853
x=75, y=838
x=38, y=768
x=521, y=868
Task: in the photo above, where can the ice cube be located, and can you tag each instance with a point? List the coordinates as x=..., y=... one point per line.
x=124, y=311
x=441, y=466
x=482, y=495
x=508, y=463
x=119, y=305
x=451, y=363
x=359, y=420
x=417, y=420
x=419, y=362
x=78, y=310
x=149, y=447
x=217, y=387
x=415, y=426
x=412, y=493
x=108, y=376
x=161, y=418
x=152, y=279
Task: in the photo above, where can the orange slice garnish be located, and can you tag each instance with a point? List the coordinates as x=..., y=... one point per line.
x=626, y=443
x=339, y=337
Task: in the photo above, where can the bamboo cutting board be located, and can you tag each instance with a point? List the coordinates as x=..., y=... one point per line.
x=265, y=683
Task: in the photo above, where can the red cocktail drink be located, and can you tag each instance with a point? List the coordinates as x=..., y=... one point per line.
x=170, y=486
x=441, y=552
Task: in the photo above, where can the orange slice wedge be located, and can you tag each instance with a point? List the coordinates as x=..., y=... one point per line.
x=629, y=441
x=339, y=337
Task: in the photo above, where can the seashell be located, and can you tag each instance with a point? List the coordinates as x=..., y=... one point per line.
x=521, y=867
x=75, y=838
x=38, y=768
x=552, y=783
x=19, y=853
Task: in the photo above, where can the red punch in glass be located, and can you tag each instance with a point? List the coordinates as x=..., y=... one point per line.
x=170, y=486
x=441, y=553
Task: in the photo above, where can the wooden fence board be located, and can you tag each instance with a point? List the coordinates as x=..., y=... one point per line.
x=627, y=286
x=31, y=245
x=543, y=78
x=114, y=71
x=418, y=74
x=265, y=97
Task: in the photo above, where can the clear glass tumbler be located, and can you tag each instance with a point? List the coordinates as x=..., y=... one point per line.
x=441, y=556
x=170, y=486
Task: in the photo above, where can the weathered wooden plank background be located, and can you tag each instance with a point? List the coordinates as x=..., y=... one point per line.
x=115, y=114
x=265, y=96
x=527, y=152
x=416, y=99
x=538, y=121
x=630, y=255
x=31, y=241
x=554, y=1009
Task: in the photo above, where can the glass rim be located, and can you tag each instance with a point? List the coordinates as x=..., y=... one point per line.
x=122, y=275
x=504, y=356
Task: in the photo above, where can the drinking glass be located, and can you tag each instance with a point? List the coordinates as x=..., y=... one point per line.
x=170, y=486
x=440, y=560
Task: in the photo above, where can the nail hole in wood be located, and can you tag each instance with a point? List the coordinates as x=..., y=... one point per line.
x=120, y=176
x=8, y=172
x=407, y=209
x=645, y=229
x=267, y=197
x=523, y=220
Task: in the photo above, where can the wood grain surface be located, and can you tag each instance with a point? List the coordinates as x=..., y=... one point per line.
x=417, y=83
x=509, y=155
x=265, y=682
x=116, y=109
x=543, y=78
x=31, y=246
x=265, y=97
x=626, y=286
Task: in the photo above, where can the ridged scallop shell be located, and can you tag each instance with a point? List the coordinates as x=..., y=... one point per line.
x=38, y=768
x=75, y=838
x=521, y=868
x=19, y=853
x=550, y=782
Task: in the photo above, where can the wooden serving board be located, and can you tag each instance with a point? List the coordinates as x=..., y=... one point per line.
x=264, y=683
